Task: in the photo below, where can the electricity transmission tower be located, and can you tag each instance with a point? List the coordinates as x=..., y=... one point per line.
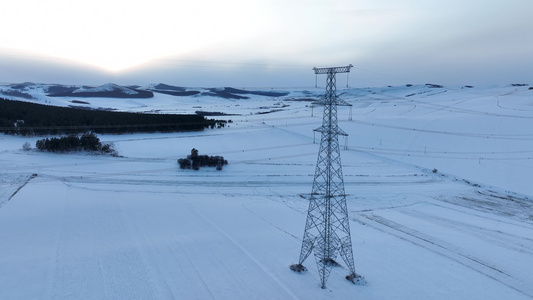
x=327, y=230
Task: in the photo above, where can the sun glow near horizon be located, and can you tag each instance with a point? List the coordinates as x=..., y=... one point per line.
x=452, y=41
x=118, y=35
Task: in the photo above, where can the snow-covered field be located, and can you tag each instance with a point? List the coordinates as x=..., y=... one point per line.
x=439, y=197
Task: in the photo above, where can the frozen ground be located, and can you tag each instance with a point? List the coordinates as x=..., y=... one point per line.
x=438, y=185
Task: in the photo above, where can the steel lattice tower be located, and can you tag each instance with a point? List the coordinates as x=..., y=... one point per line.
x=327, y=230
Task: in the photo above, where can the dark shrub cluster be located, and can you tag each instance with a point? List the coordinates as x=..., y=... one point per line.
x=88, y=142
x=434, y=86
x=232, y=93
x=195, y=161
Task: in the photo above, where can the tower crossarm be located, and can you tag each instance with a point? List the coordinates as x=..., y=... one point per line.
x=333, y=70
x=338, y=101
x=335, y=131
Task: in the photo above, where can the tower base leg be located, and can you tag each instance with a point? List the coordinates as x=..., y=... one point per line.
x=298, y=268
x=356, y=279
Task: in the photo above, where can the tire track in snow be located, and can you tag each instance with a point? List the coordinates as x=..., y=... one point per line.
x=123, y=268
x=447, y=250
x=475, y=211
x=228, y=181
x=161, y=287
x=93, y=259
x=270, y=223
x=248, y=254
x=196, y=271
x=74, y=262
x=187, y=260
x=507, y=240
x=183, y=272
x=5, y=191
x=184, y=269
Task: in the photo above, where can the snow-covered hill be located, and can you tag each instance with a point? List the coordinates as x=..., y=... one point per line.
x=439, y=198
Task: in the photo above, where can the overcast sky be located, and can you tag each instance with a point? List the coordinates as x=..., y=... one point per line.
x=266, y=43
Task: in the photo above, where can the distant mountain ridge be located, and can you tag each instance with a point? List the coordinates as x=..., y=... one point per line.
x=109, y=90
x=165, y=98
x=27, y=90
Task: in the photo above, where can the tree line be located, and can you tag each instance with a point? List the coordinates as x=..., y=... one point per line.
x=24, y=118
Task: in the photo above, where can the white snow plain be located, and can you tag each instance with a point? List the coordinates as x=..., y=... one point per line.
x=439, y=198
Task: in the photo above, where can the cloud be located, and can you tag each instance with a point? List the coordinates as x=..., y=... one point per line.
x=115, y=35
x=448, y=41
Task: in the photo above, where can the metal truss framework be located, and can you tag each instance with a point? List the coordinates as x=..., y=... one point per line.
x=327, y=230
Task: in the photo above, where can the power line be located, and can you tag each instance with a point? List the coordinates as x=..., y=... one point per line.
x=443, y=154
x=383, y=74
x=230, y=64
x=450, y=108
x=520, y=137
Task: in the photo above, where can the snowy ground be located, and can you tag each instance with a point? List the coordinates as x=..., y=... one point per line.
x=81, y=226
